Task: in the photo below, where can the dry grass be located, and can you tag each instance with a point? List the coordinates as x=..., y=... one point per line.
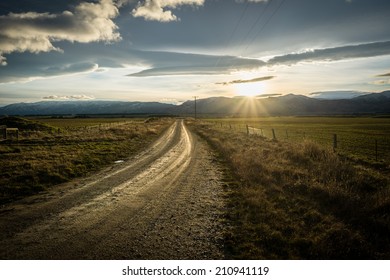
x=47, y=155
x=300, y=201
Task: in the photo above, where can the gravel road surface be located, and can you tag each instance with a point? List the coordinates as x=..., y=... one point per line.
x=167, y=202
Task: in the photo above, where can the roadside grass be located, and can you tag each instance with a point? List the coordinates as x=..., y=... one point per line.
x=46, y=155
x=299, y=200
x=364, y=139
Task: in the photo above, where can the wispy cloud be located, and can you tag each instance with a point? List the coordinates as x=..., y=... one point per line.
x=36, y=32
x=69, y=97
x=260, y=79
x=334, y=54
x=384, y=75
x=161, y=10
x=269, y=95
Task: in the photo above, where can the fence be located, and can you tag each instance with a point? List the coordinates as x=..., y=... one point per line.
x=358, y=144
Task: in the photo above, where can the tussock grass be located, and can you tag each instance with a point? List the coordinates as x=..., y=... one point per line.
x=46, y=155
x=300, y=200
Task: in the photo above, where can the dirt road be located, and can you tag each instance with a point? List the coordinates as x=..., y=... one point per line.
x=165, y=203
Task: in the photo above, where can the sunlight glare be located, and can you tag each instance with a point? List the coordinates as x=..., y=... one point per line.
x=249, y=89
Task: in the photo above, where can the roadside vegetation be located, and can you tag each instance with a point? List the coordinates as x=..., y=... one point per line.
x=362, y=139
x=53, y=151
x=299, y=200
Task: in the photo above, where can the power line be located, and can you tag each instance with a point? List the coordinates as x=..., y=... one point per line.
x=265, y=24
x=234, y=31
x=257, y=20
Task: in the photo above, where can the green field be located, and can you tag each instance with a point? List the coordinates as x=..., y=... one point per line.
x=52, y=151
x=360, y=138
x=295, y=199
x=84, y=122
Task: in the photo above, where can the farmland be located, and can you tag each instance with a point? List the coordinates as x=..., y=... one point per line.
x=364, y=139
x=298, y=199
x=52, y=151
x=287, y=197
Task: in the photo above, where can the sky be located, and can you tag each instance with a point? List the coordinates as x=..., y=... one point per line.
x=172, y=50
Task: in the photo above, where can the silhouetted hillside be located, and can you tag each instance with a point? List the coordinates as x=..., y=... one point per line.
x=290, y=104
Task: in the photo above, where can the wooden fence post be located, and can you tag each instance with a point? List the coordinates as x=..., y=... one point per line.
x=247, y=129
x=334, y=142
x=376, y=149
x=286, y=134
x=273, y=134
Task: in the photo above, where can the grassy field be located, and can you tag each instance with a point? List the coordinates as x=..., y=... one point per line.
x=53, y=151
x=360, y=138
x=299, y=199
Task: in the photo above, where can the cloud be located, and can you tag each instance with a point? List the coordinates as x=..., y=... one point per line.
x=26, y=74
x=3, y=60
x=69, y=97
x=63, y=69
x=170, y=63
x=260, y=79
x=381, y=82
x=268, y=95
x=384, y=75
x=36, y=32
x=156, y=10
x=334, y=54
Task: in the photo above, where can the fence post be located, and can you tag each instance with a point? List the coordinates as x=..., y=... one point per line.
x=376, y=149
x=273, y=134
x=247, y=129
x=262, y=134
x=334, y=142
x=286, y=134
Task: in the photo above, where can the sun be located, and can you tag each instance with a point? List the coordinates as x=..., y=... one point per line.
x=249, y=89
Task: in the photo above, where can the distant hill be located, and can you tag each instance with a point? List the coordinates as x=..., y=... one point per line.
x=335, y=95
x=294, y=105
x=290, y=104
x=85, y=107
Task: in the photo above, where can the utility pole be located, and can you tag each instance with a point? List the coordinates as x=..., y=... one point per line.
x=195, y=105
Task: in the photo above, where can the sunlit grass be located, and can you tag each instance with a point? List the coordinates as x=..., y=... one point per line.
x=361, y=138
x=68, y=149
x=299, y=200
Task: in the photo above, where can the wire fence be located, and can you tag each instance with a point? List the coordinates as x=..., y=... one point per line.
x=361, y=145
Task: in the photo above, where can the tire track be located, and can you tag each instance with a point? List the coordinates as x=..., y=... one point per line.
x=167, y=203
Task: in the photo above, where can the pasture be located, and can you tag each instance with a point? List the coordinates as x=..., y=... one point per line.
x=365, y=139
x=53, y=151
x=295, y=198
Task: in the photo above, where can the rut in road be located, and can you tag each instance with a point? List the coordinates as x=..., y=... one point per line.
x=166, y=203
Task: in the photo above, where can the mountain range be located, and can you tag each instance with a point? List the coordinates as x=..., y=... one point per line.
x=290, y=104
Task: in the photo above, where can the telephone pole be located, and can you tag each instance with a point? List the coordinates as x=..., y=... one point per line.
x=195, y=105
